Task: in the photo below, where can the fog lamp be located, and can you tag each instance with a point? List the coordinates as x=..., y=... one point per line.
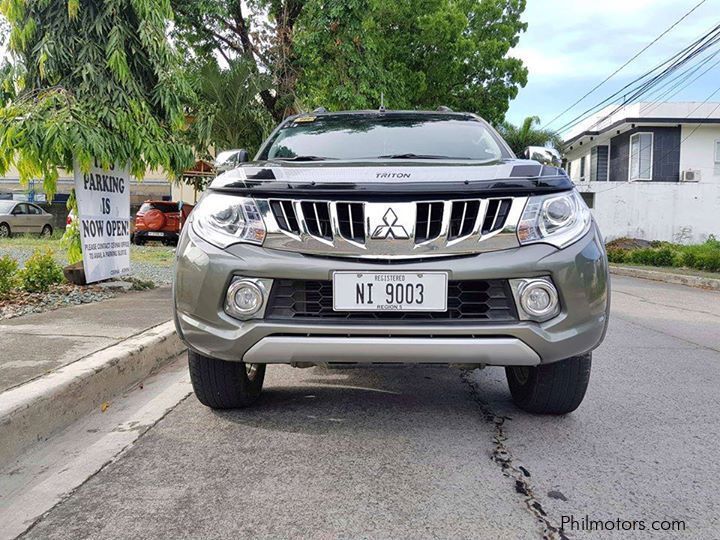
x=244, y=298
x=538, y=298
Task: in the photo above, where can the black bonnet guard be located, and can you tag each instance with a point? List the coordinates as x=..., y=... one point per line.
x=510, y=187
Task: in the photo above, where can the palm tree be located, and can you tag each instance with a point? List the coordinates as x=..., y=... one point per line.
x=228, y=113
x=519, y=138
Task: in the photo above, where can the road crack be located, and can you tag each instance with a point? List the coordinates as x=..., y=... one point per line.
x=519, y=474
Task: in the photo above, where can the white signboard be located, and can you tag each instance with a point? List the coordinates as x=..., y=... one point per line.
x=103, y=198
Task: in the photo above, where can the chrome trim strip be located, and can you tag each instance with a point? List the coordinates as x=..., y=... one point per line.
x=320, y=350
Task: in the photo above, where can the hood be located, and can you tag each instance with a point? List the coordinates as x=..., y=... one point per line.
x=511, y=176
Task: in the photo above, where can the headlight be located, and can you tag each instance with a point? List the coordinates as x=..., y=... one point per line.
x=224, y=220
x=554, y=219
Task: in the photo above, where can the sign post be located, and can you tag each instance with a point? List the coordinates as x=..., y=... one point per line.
x=103, y=199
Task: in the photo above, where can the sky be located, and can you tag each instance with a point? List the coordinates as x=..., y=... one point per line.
x=570, y=46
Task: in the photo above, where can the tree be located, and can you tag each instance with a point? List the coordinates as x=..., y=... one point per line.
x=346, y=53
x=519, y=138
x=258, y=31
x=226, y=111
x=95, y=80
x=418, y=53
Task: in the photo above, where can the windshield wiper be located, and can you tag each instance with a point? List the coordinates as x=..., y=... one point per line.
x=300, y=158
x=415, y=156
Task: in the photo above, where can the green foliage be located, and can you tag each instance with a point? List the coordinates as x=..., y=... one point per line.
x=40, y=272
x=95, y=80
x=617, y=255
x=71, y=240
x=141, y=284
x=227, y=112
x=343, y=54
x=520, y=137
x=705, y=256
x=8, y=274
x=418, y=53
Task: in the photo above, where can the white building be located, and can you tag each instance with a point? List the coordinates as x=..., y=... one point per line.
x=650, y=170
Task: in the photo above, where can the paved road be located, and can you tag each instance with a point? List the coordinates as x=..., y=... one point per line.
x=435, y=453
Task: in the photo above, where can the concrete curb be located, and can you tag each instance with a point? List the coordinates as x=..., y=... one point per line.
x=35, y=410
x=657, y=275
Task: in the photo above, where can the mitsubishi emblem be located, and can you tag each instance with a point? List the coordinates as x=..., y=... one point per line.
x=390, y=229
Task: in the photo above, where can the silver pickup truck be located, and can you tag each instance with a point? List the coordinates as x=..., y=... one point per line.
x=376, y=237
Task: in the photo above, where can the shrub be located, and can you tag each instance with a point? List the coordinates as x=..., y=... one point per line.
x=617, y=255
x=705, y=256
x=40, y=272
x=8, y=274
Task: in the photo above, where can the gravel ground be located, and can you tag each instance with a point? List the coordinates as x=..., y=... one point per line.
x=148, y=263
x=158, y=271
x=22, y=303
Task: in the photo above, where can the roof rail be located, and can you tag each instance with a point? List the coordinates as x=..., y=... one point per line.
x=443, y=108
x=320, y=110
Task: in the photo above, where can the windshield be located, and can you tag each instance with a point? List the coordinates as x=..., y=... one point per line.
x=6, y=206
x=392, y=136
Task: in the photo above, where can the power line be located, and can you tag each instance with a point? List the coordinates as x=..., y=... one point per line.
x=679, y=80
x=639, y=92
x=652, y=106
x=706, y=41
x=697, y=47
x=618, y=70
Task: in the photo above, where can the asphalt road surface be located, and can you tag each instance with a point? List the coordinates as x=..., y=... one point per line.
x=438, y=453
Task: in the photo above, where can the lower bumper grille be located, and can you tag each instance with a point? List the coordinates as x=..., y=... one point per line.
x=470, y=300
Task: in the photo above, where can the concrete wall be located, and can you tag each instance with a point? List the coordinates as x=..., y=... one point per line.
x=186, y=193
x=676, y=212
x=698, y=151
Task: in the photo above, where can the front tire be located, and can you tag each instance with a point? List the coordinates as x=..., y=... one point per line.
x=556, y=388
x=225, y=385
x=46, y=231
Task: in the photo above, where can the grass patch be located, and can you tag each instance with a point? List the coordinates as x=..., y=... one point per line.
x=151, y=254
x=33, y=241
x=704, y=257
x=160, y=255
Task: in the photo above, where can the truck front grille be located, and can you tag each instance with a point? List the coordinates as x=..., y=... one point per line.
x=392, y=230
x=471, y=300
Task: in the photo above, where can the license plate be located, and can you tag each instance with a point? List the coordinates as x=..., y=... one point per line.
x=390, y=291
x=151, y=233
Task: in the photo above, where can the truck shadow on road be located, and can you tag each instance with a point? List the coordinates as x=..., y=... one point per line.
x=322, y=400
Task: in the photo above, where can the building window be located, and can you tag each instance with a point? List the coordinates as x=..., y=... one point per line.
x=641, y=156
x=582, y=169
x=717, y=152
x=569, y=168
x=599, y=163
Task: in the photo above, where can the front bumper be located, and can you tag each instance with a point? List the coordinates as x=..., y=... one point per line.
x=203, y=273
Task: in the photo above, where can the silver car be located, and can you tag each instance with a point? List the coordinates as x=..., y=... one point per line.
x=383, y=237
x=24, y=217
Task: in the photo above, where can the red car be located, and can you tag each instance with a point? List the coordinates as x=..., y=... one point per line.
x=160, y=220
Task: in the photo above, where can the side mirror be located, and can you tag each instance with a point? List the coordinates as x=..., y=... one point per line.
x=543, y=154
x=229, y=159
